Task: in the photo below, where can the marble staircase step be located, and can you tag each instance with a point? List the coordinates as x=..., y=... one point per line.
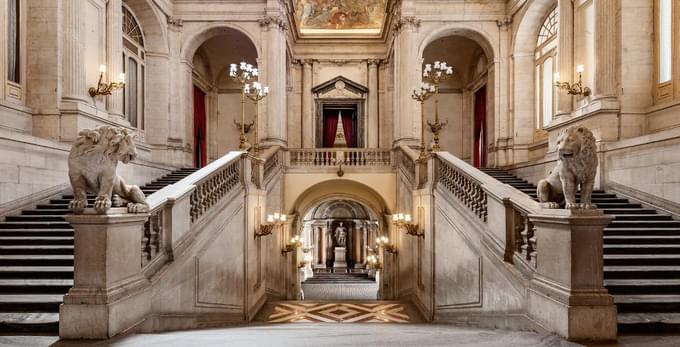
x=35, y=224
x=636, y=240
x=642, y=249
x=642, y=259
x=26, y=240
x=36, y=249
x=642, y=272
x=642, y=286
x=36, y=218
x=38, y=232
x=30, y=302
x=640, y=231
x=46, y=211
x=29, y=322
x=647, y=303
x=36, y=260
x=35, y=286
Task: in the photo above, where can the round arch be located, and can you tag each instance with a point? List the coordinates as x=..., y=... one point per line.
x=339, y=189
x=530, y=23
x=199, y=36
x=457, y=29
x=155, y=34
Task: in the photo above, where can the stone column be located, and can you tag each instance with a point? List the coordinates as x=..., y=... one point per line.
x=114, y=47
x=373, y=121
x=74, y=86
x=108, y=294
x=273, y=74
x=324, y=245
x=565, y=55
x=307, y=104
x=407, y=76
x=606, y=43
x=567, y=294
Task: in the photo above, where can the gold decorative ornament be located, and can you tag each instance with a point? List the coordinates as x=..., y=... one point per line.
x=575, y=88
x=104, y=88
x=421, y=94
x=403, y=221
x=275, y=220
x=242, y=74
x=436, y=74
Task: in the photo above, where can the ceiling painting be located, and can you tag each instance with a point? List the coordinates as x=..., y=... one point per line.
x=340, y=16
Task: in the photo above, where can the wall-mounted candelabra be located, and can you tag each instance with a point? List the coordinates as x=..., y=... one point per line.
x=256, y=93
x=374, y=262
x=243, y=74
x=276, y=220
x=295, y=243
x=575, y=88
x=384, y=242
x=404, y=221
x=421, y=94
x=436, y=74
x=104, y=88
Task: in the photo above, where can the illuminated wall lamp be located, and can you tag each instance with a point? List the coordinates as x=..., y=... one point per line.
x=295, y=243
x=273, y=221
x=573, y=89
x=403, y=221
x=374, y=262
x=106, y=89
x=384, y=242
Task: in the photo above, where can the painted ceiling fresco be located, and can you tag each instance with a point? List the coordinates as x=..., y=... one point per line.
x=352, y=16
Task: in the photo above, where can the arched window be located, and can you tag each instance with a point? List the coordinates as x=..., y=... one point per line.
x=546, y=66
x=15, y=48
x=133, y=66
x=664, y=30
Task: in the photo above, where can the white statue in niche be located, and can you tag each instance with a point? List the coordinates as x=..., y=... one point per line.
x=341, y=235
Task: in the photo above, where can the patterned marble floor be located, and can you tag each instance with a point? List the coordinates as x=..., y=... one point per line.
x=337, y=312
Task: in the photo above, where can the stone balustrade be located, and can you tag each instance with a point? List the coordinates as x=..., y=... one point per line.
x=332, y=157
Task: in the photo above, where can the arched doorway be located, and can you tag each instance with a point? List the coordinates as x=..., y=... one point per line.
x=465, y=99
x=217, y=98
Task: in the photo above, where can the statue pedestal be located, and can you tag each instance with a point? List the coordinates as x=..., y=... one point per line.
x=340, y=258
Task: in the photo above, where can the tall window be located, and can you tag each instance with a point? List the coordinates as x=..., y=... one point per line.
x=13, y=41
x=133, y=66
x=546, y=66
x=663, y=32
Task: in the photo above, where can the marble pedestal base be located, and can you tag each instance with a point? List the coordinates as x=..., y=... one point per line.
x=340, y=258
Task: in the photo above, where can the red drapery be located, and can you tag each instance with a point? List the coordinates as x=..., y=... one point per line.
x=200, y=152
x=480, y=128
x=348, y=128
x=330, y=127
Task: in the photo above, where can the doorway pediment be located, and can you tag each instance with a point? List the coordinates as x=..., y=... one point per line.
x=340, y=87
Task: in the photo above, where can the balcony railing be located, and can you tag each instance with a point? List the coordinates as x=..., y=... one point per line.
x=331, y=157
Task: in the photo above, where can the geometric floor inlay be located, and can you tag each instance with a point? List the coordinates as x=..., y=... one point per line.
x=339, y=313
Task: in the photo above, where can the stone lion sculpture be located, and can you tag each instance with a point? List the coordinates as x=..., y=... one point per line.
x=576, y=167
x=92, y=165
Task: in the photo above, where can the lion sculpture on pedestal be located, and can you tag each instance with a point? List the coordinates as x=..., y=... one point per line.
x=92, y=167
x=577, y=166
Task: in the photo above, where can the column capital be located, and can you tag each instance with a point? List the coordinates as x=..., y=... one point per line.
x=374, y=62
x=269, y=22
x=406, y=22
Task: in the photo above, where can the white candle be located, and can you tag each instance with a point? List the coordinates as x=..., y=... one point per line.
x=102, y=68
x=580, y=68
x=121, y=78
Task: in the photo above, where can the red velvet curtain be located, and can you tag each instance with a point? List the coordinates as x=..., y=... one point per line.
x=200, y=152
x=480, y=128
x=330, y=127
x=348, y=128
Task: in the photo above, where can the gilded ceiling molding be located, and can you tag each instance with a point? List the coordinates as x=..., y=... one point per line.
x=270, y=22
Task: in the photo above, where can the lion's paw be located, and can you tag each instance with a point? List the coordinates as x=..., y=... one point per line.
x=550, y=205
x=77, y=206
x=102, y=204
x=117, y=201
x=588, y=205
x=572, y=206
x=137, y=208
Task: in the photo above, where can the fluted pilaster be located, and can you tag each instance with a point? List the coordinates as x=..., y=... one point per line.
x=73, y=77
x=114, y=102
x=373, y=123
x=606, y=41
x=565, y=54
x=307, y=105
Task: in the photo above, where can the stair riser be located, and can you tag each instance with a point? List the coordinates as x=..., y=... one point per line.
x=673, y=250
x=648, y=307
x=642, y=290
x=649, y=275
x=36, y=242
x=29, y=233
x=45, y=212
x=645, y=217
x=46, y=225
x=640, y=224
x=18, y=290
x=36, y=262
x=642, y=241
x=642, y=262
x=38, y=218
x=36, y=251
x=65, y=275
x=650, y=232
x=29, y=307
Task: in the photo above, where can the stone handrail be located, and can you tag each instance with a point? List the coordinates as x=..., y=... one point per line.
x=405, y=159
x=205, y=186
x=332, y=157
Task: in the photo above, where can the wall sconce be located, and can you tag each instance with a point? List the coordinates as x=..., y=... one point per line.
x=295, y=243
x=384, y=242
x=573, y=89
x=374, y=262
x=402, y=221
x=275, y=220
x=106, y=89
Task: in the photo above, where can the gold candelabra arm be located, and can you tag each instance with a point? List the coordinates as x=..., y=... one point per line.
x=264, y=230
x=105, y=88
x=246, y=127
x=414, y=230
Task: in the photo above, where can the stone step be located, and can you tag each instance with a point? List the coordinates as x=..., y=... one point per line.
x=36, y=272
x=36, y=225
x=604, y=205
x=36, y=218
x=648, y=323
x=52, y=206
x=35, y=286
x=30, y=302
x=642, y=249
x=36, y=260
x=623, y=230
x=642, y=217
x=635, y=240
x=36, y=232
x=642, y=259
x=37, y=250
x=45, y=211
x=647, y=303
x=63, y=201
x=616, y=223
x=642, y=272
x=29, y=322
x=26, y=240
x=637, y=211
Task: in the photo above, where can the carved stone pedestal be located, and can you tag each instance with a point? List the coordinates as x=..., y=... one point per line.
x=340, y=262
x=567, y=294
x=108, y=292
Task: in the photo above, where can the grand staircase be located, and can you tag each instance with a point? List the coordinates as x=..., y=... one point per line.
x=641, y=259
x=36, y=261
x=339, y=278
